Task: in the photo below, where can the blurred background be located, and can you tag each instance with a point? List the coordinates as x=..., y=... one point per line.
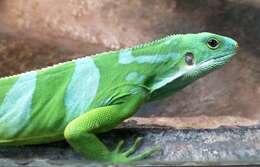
x=36, y=34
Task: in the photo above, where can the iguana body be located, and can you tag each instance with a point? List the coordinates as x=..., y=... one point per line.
x=77, y=99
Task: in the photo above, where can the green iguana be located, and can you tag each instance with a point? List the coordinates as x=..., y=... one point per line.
x=78, y=99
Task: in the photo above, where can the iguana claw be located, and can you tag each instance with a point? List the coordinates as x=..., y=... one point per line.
x=118, y=157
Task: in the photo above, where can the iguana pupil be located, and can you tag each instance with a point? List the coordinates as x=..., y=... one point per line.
x=213, y=43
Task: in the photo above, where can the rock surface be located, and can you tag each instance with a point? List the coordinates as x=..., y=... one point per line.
x=178, y=147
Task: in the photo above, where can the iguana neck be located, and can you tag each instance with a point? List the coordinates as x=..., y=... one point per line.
x=151, y=62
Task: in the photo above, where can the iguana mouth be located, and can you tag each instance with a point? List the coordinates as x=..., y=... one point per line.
x=221, y=60
x=213, y=62
x=225, y=57
x=221, y=57
x=207, y=65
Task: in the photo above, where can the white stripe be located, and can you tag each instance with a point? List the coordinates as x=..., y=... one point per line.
x=16, y=106
x=82, y=88
x=126, y=57
x=135, y=77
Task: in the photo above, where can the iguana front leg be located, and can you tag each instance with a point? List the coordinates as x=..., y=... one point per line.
x=80, y=133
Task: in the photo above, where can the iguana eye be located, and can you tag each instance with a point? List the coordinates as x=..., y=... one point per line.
x=189, y=58
x=213, y=43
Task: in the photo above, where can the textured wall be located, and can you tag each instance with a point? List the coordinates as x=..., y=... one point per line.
x=35, y=34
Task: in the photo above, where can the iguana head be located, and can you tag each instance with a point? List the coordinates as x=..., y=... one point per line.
x=195, y=56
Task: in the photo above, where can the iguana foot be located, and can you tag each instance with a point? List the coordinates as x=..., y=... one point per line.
x=124, y=157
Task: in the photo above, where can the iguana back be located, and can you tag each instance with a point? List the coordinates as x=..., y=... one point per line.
x=37, y=105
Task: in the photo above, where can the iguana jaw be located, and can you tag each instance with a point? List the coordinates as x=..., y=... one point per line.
x=210, y=64
x=226, y=57
x=184, y=77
